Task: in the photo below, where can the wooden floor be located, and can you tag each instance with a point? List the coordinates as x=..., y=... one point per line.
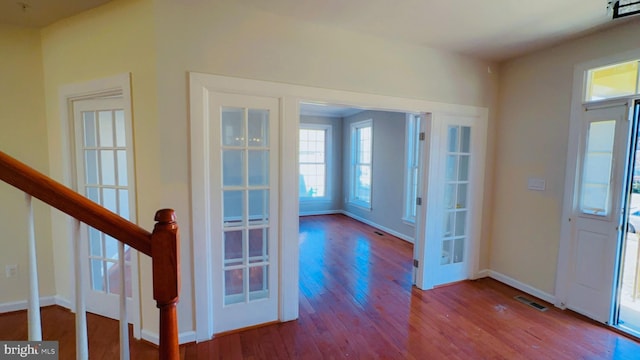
x=356, y=302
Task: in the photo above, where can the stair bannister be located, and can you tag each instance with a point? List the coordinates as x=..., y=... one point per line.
x=33, y=312
x=165, y=250
x=162, y=245
x=82, y=338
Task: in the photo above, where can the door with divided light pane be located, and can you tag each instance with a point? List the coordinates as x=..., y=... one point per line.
x=596, y=213
x=243, y=156
x=104, y=167
x=454, y=198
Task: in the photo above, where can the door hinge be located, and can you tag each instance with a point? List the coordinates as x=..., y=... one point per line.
x=422, y=136
x=418, y=201
x=415, y=263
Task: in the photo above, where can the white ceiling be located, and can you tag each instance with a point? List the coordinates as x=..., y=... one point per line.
x=489, y=29
x=39, y=13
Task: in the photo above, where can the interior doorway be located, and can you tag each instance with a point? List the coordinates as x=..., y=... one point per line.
x=362, y=163
x=410, y=162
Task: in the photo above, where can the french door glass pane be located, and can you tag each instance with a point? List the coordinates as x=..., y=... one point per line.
x=106, y=183
x=233, y=248
x=122, y=167
x=453, y=139
x=258, y=282
x=258, y=241
x=465, y=143
x=596, y=176
x=233, y=207
x=91, y=167
x=457, y=168
x=107, y=167
x=95, y=242
x=258, y=128
x=96, y=275
x=89, y=122
x=233, y=286
x=245, y=188
x=123, y=203
x=233, y=127
x=121, y=138
x=233, y=168
x=106, y=128
x=258, y=167
x=258, y=206
x=451, y=172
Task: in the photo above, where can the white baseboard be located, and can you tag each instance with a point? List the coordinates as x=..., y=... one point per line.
x=481, y=274
x=522, y=286
x=150, y=336
x=23, y=304
x=65, y=303
x=377, y=226
x=187, y=337
x=321, y=212
x=183, y=337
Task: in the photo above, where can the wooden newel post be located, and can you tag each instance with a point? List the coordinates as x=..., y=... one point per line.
x=165, y=251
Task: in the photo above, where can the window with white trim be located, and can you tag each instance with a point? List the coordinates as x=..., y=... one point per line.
x=412, y=162
x=314, y=159
x=361, y=163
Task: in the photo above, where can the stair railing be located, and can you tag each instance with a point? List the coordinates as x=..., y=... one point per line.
x=162, y=245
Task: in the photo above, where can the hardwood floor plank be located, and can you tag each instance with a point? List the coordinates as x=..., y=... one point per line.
x=357, y=302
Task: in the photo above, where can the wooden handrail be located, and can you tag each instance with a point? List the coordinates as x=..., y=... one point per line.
x=70, y=202
x=163, y=245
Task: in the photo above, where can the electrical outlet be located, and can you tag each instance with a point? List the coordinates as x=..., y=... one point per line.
x=11, y=270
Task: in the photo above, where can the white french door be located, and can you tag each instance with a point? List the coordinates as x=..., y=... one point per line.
x=104, y=169
x=597, y=204
x=243, y=156
x=455, y=184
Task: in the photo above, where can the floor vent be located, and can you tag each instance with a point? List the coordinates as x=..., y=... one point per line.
x=533, y=304
x=378, y=233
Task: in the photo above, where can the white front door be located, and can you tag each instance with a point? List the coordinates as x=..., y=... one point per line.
x=104, y=169
x=596, y=215
x=455, y=184
x=243, y=156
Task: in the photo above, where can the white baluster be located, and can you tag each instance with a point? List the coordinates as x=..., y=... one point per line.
x=82, y=339
x=35, y=327
x=124, y=322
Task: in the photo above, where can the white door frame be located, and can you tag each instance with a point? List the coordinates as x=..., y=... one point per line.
x=564, y=263
x=118, y=85
x=290, y=97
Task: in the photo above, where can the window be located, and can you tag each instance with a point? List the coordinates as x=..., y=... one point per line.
x=315, y=145
x=361, y=154
x=412, y=161
x=613, y=81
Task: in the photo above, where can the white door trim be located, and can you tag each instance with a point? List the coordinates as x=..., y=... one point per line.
x=111, y=86
x=564, y=263
x=291, y=95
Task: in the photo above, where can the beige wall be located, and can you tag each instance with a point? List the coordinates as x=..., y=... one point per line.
x=531, y=141
x=227, y=38
x=159, y=41
x=112, y=39
x=23, y=136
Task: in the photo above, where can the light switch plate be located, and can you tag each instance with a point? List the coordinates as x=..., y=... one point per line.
x=536, y=184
